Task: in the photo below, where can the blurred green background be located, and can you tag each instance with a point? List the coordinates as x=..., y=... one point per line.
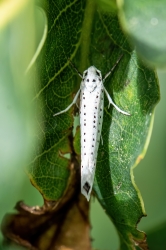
x=149, y=176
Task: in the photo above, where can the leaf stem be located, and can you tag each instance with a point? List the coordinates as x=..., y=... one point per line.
x=86, y=32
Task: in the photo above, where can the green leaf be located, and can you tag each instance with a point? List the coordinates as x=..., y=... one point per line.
x=49, y=171
x=144, y=24
x=125, y=140
x=82, y=32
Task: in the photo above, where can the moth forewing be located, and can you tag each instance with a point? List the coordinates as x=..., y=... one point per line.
x=91, y=118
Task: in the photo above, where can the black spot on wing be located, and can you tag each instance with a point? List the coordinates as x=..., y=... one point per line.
x=86, y=187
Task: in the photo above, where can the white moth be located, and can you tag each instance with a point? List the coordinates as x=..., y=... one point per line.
x=91, y=118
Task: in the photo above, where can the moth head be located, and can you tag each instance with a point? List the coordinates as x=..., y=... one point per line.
x=92, y=78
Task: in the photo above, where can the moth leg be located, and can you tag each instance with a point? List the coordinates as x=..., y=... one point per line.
x=111, y=102
x=77, y=109
x=73, y=102
x=78, y=105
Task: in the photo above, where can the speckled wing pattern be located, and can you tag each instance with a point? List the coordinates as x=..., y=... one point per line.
x=91, y=119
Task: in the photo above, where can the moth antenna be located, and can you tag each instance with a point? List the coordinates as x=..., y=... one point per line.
x=75, y=68
x=112, y=68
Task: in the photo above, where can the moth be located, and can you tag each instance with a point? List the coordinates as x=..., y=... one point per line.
x=91, y=118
